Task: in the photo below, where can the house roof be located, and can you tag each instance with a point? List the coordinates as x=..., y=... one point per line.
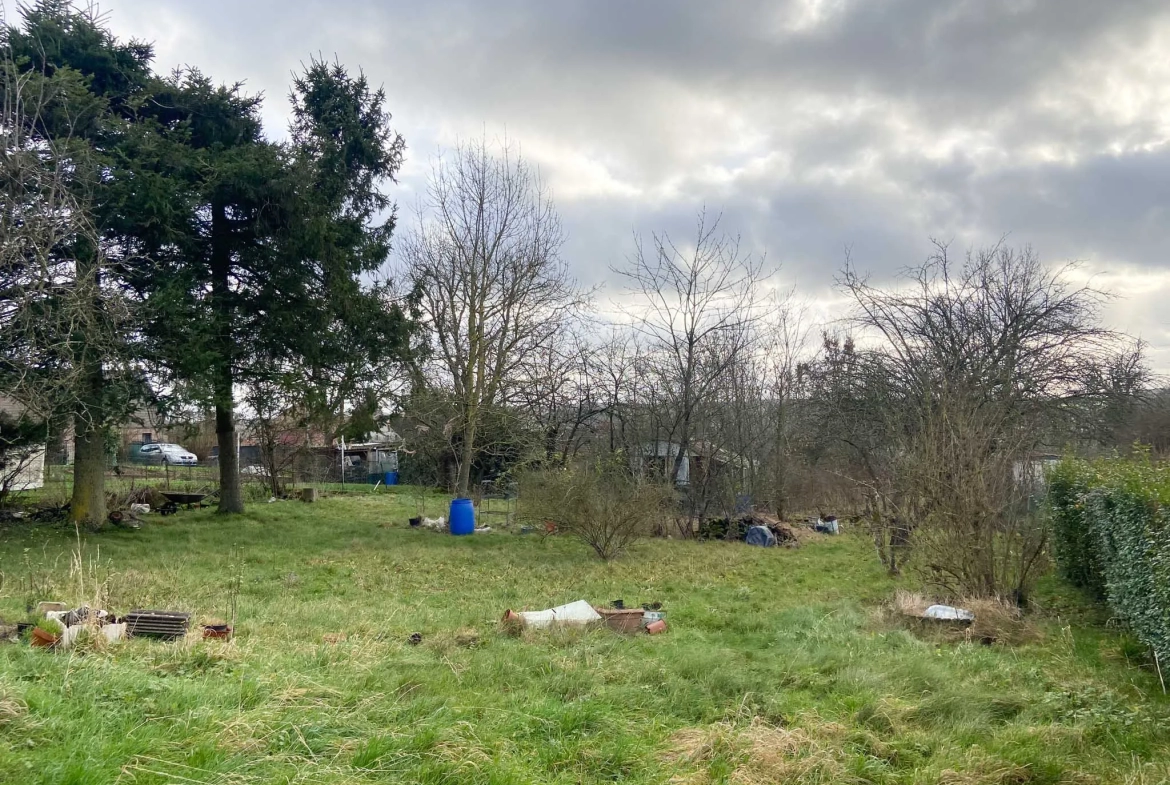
x=387, y=437
x=697, y=449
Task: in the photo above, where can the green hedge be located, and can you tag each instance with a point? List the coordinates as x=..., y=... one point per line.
x=1073, y=542
x=1111, y=536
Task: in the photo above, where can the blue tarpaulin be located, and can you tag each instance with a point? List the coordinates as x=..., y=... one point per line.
x=759, y=535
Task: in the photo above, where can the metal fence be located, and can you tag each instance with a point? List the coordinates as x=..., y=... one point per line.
x=124, y=478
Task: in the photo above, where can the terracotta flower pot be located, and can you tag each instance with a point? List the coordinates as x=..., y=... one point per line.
x=44, y=639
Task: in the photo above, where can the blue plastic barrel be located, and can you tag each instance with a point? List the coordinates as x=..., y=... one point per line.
x=391, y=478
x=462, y=516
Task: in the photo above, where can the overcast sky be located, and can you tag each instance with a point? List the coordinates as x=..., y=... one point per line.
x=813, y=125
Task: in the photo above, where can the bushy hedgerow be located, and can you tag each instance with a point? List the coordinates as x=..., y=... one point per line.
x=1073, y=545
x=1111, y=535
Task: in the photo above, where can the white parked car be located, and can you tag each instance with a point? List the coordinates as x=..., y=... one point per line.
x=170, y=454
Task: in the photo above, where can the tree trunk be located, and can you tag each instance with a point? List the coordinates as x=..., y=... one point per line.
x=687, y=410
x=274, y=478
x=571, y=439
x=230, y=498
x=467, y=455
x=684, y=446
x=550, y=444
x=88, y=506
x=780, y=464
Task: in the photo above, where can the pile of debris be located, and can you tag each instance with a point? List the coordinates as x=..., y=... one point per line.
x=649, y=618
x=55, y=626
x=825, y=525
x=984, y=619
x=440, y=524
x=752, y=529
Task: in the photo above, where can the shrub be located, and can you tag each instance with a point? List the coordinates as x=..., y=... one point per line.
x=1073, y=544
x=602, y=504
x=1115, y=535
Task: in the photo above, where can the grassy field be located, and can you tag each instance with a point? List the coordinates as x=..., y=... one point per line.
x=777, y=666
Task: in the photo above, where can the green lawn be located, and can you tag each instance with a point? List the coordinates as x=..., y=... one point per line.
x=776, y=667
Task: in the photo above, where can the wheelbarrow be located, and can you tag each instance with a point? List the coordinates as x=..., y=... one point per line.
x=174, y=499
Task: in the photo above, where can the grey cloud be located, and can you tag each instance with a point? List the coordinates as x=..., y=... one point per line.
x=870, y=124
x=1114, y=206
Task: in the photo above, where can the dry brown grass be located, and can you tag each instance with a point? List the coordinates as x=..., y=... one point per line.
x=996, y=621
x=1157, y=773
x=11, y=708
x=1000, y=622
x=994, y=774
x=244, y=735
x=759, y=753
x=979, y=769
x=910, y=603
x=445, y=641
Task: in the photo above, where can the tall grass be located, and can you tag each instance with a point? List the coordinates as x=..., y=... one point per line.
x=774, y=666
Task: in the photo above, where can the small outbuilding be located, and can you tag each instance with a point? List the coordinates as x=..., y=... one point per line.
x=375, y=459
x=22, y=467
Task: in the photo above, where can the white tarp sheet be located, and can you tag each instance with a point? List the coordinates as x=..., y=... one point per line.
x=579, y=612
x=948, y=613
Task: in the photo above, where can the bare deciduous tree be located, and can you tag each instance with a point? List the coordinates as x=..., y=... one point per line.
x=756, y=401
x=560, y=390
x=785, y=348
x=854, y=423
x=979, y=365
x=617, y=360
x=696, y=307
x=485, y=261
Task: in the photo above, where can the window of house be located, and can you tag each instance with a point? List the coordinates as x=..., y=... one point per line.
x=147, y=437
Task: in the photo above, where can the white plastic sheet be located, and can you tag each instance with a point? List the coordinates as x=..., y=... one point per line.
x=948, y=613
x=579, y=612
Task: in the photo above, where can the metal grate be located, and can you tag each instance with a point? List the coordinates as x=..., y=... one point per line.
x=157, y=624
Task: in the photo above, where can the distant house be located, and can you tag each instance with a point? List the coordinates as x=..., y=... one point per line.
x=657, y=460
x=21, y=469
x=1031, y=473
